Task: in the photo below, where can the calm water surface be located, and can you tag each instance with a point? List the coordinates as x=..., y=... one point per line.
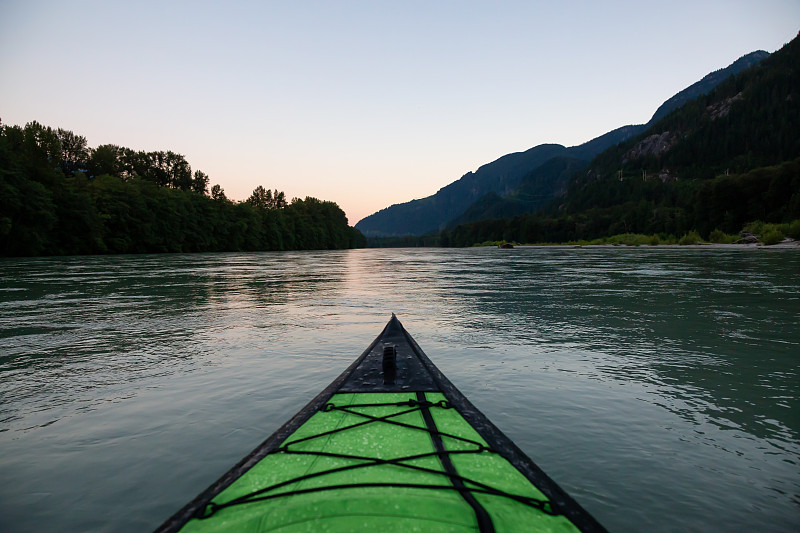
x=658, y=386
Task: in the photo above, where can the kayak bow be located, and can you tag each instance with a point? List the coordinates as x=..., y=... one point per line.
x=390, y=445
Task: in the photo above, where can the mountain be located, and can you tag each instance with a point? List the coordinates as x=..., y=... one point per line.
x=519, y=182
x=500, y=177
x=708, y=83
x=535, y=191
x=426, y=215
x=543, y=184
x=725, y=160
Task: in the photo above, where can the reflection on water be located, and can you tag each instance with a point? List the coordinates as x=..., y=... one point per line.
x=658, y=386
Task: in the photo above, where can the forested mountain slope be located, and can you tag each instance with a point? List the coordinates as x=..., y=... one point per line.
x=724, y=159
x=549, y=181
x=520, y=182
x=429, y=214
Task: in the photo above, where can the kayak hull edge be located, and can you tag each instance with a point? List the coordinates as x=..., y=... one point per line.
x=415, y=375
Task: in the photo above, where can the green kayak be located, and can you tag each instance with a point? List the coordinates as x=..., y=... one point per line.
x=390, y=446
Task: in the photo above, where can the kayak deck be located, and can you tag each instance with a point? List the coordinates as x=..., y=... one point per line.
x=390, y=445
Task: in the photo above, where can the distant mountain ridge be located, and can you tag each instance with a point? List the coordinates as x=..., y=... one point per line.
x=708, y=82
x=723, y=165
x=521, y=182
x=425, y=215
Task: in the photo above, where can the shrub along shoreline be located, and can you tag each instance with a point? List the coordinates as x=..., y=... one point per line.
x=754, y=234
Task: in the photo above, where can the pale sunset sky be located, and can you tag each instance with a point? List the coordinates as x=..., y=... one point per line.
x=365, y=103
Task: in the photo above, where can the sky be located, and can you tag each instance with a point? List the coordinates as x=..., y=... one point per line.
x=364, y=103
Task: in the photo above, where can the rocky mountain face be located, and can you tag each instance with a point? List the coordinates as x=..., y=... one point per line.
x=655, y=144
x=708, y=82
x=527, y=181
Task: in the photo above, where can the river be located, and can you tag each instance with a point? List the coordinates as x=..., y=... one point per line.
x=658, y=386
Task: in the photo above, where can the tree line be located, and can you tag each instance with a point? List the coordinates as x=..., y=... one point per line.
x=58, y=196
x=726, y=203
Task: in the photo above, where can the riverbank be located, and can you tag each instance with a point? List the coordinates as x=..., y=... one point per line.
x=785, y=244
x=756, y=234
